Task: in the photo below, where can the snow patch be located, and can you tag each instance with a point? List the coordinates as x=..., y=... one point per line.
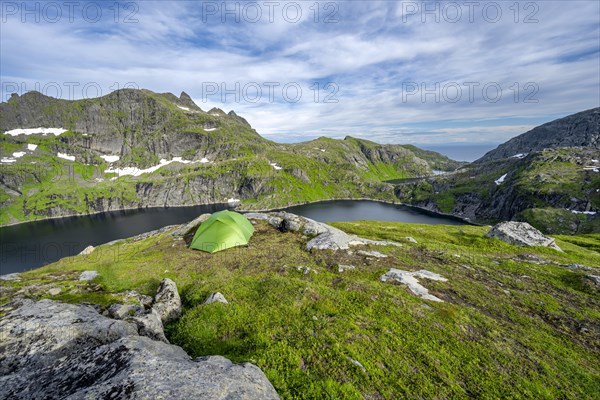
x=275, y=166
x=184, y=108
x=593, y=169
x=32, y=147
x=500, y=180
x=134, y=171
x=66, y=156
x=18, y=154
x=8, y=160
x=520, y=155
x=583, y=212
x=233, y=201
x=204, y=160
x=34, y=131
x=210, y=129
x=110, y=159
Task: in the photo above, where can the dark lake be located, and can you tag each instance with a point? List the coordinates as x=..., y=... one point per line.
x=34, y=244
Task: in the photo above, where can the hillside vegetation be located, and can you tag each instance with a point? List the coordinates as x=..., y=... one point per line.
x=515, y=322
x=214, y=157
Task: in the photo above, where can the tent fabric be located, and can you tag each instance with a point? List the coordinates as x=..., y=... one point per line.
x=222, y=230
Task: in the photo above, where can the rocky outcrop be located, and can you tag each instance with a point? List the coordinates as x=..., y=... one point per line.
x=521, y=234
x=167, y=302
x=410, y=279
x=328, y=237
x=190, y=227
x=56, y=350
x=577, y=130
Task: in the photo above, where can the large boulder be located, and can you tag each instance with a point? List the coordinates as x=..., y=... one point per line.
x=285, y=221
x=38, y=333
x=190, y=227
x=51, y=350
x=167, y=301
x=521, y=234
x=326, y=237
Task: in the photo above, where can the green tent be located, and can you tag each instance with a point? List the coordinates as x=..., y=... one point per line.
x=222, y=230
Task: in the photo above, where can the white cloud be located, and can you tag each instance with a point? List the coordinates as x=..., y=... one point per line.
x=370, y=53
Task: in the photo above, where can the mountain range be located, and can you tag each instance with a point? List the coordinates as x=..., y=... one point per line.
x=548, y=177
x=136, y=148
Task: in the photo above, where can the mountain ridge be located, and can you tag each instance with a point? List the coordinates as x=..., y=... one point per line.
x=136, y=148
x=581, y=129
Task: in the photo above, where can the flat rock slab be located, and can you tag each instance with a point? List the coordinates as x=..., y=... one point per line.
x=53, y=350
x=521, y=234
x=410, y=279
x=375, y=254
x=10, y=277
x=88, y=275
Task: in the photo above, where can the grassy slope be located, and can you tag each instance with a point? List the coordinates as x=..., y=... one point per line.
x=307, y=174
x=544, y=183
x=509, y=328
x=316, y=170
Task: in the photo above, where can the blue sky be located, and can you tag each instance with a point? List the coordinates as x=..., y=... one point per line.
x=393, y=72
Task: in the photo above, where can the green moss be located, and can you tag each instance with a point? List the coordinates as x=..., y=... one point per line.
x=508, y=328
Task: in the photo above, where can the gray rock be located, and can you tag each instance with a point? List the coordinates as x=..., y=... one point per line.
x=167, y=301
x=595, y=279
x=144, y=301
x=88, y=275
x=372, y=254
x=411, y=239
x=410, y=279
x=305, y=270
x=216, y=297
x=10, y=277
x=38, y=333
x=354, y=362
x=190, y=227
x=124, y=311
x=578, y=266
x=88, y=250
x=342, y=267
x=55, y=350
x=149, y=325
x=521, y=234
x=54, y=291
x=290, y=221
x=336, y=239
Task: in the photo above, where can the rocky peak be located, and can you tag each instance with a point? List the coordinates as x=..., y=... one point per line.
x=186, y=101
x=576, y=130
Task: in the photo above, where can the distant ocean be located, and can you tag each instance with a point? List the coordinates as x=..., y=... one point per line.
x=460, y=152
